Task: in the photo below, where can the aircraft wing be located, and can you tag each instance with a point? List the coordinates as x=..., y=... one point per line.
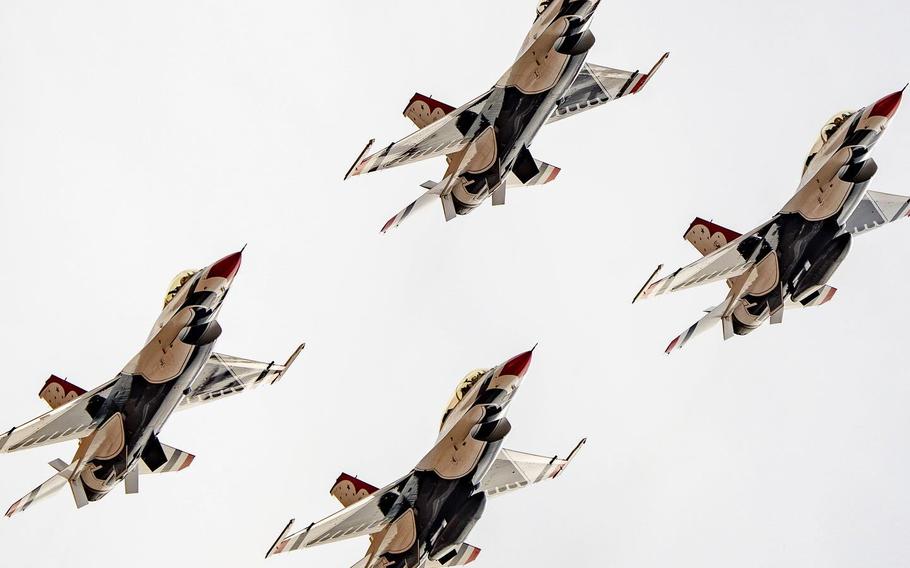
x=596, y=85
x=516, y=470
x=70, y=421
x=436, y=139
x=225, y=375
x=877, y=209
x=729, y=261
x=362, y=518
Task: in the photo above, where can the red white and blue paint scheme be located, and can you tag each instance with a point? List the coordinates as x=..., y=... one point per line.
x=486, y=141
x=117, y=424
x=786, y=262
x=424, y=518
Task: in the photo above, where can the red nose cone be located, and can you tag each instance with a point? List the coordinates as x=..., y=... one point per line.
x=227, y=267
x=887, y=105
x=517, y=365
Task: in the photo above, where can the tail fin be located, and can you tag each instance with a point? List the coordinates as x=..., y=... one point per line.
x=349, y=490
x=49, y=487
x=424, y=111
x=57, y=392
x=821, y=295
x=546, y=174
x=708, y=237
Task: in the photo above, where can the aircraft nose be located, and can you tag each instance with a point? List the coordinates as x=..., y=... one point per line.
x=227, y=267
x=517, y=365
x=887, y=105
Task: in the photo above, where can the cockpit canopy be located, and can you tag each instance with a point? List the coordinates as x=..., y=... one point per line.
x=466, y=383
x=833, y=124
x=177, y=283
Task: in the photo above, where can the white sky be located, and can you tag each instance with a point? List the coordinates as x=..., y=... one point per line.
x=141, y=138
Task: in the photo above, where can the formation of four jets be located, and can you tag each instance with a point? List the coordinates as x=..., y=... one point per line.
x=424, y=518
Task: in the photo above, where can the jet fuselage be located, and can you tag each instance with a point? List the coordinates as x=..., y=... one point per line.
x=524, y=99
x=798, y=246
x=153, y=383
x=803, y=245
x=445, y=499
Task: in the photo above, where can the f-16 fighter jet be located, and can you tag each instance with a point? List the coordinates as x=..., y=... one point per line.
x=423, y=519
x=786, y=262
x=117, y=424
x=486, y=141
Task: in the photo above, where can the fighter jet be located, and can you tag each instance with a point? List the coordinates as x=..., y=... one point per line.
x=117, y=424
x=786, y=262
x=423, y=519
x=486, y=140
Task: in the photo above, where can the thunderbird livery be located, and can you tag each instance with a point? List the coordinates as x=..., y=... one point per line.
x=424, y=518
x=486, y=141
x=787, y=262
x=117, y=424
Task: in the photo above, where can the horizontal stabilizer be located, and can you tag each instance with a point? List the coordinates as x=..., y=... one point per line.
x=820, y=296
x=420, y=203
x=49, y=487
x=546, y=174
x=461, y=556
x=709, y=320
x=173, y=460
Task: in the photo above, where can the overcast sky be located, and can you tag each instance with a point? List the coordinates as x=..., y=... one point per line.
x=138, y=139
